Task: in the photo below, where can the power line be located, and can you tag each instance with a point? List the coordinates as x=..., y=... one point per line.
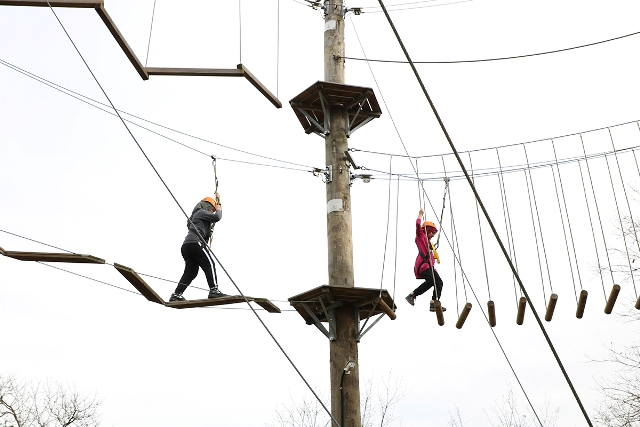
x=467, y=61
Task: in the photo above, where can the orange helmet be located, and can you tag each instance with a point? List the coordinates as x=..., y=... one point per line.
x=210, y=200
x=428, y=225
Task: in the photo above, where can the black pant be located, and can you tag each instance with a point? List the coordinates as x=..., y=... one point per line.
x=196, y=256
x=428, y=275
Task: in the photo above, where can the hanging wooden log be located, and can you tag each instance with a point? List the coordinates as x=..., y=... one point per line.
x=582, y=302
x=522, y=305
x=638, y=304
x=463, y=315
x=553, y=300
x=612, y=299
x=439, y=313
x=492, y=313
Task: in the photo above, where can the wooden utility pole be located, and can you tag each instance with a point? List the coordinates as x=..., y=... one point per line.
x=345, y=402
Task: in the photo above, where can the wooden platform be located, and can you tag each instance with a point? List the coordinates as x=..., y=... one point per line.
x=139, y=283
x=323, y=297
x=232, y=299
x=52, y=257
x=239, y=71
x=313, y=105
x=145, y=72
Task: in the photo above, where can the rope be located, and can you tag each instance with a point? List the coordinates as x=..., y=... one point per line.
x=544, y=249
x=564, y=231
x=395, y=263
x=507, y=225
x=595, y=201
x=495, y=232
x=208, y=249
x=444, y=199
x=633, y=223
x=386, y=236
x=240, y=27
x=456, y=244
x=484, y=256
x=278, y=55
x=566, y=211
x=215, y=171
x=153, y=13
x=420, y=198
x=624, y=239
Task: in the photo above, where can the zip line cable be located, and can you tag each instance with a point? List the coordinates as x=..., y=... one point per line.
x=422, y=7
x=486, y=214
x=464, y=277
x=189, y=219
x=499, y=146
x=86, y=99
x=467, y=61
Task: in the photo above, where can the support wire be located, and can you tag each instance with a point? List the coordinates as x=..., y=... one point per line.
x=484, y=210
x=188, y=218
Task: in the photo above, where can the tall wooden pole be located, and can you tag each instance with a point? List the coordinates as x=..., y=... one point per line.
x=345, y=402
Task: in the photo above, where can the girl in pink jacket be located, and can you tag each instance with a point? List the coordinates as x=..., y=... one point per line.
x=424, y=265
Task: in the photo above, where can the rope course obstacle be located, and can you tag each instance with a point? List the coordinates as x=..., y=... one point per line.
x=144, y=71
x=138, y=282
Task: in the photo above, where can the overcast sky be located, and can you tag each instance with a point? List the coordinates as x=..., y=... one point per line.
x=72, y=177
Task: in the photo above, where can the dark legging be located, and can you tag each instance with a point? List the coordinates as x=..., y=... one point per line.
x=428, y=276
x=195, y=256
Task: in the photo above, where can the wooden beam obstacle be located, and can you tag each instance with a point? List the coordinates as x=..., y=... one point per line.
x=145, y=72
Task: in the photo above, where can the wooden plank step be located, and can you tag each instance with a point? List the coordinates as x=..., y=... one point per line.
x=139, y=283
x=52, y=257
x=54, y=3
x=267, y=305
x=209, y=302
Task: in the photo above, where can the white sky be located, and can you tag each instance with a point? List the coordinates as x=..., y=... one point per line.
x=73, y=178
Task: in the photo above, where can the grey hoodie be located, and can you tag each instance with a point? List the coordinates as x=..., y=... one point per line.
x=203, y=221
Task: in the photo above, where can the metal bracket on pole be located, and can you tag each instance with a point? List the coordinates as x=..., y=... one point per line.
x=318, y=324
x=360, y=334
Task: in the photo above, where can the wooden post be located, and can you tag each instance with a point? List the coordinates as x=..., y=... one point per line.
x=492, y=313
x=463, y=315
x=522, y=305
x=439, y=313
x=582, y=302
x=551, y=307
x=345, y=405
x=612, y=299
